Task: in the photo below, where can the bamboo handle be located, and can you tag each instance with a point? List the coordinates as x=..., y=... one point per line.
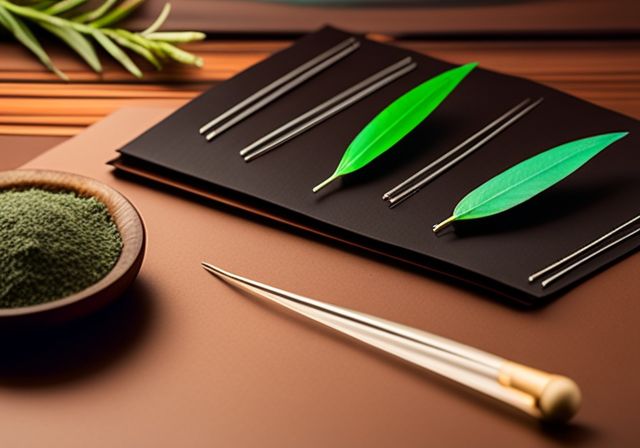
x=557, y=397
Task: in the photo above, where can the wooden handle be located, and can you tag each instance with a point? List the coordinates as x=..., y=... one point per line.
x=557, y=397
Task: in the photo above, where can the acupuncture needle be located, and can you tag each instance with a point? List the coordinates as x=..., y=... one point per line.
x=277, y=93
x=395, y=199
x=582, y=250
x=448, y=154
x=328, y=109
x=278, y=82
x=539, y=394
x=546, y=282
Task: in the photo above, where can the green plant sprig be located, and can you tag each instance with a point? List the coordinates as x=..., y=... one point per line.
x=61, y=19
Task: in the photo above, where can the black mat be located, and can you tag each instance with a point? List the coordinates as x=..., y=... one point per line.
x=496, y=253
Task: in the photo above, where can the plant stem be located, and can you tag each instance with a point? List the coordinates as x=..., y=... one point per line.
x=324, y=183
x=443, y=224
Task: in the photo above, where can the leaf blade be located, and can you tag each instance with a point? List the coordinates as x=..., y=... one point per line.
x=23, y=34
x=157, y=24
x=95, y=14
x=396, y=120
x=117, y=53
x=122, y=39
x=78, y=43
x=116, y=14
x=63, y=6
x=176, y=36
x=529, y=178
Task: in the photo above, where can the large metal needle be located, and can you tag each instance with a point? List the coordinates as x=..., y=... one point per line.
x=539, y=394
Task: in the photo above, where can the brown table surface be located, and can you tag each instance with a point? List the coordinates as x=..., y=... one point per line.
x=186, y=361
x=37, y=110
x=413, y=17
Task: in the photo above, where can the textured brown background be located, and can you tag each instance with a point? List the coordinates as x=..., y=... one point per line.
x=426, y=18
x=184, y=360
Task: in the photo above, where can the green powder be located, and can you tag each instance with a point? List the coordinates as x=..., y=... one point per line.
x=52, y=244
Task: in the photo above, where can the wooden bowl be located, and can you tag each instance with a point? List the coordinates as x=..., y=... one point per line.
x=125, y=270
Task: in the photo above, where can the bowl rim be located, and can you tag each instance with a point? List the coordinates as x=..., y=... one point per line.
x=124, y=215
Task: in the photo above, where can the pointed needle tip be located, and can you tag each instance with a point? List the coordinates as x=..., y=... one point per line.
x=205, y=265
x=209, y=267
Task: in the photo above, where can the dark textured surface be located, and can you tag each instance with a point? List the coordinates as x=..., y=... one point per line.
x=497, y=253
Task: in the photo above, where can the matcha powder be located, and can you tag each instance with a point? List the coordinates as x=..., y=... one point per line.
x=52, y=244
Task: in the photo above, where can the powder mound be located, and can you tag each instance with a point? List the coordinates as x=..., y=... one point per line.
x=52, y=244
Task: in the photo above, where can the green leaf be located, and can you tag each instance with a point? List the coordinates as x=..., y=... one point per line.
x=176, y=36
x=528, y=178
x=95, y=14
x=43, y=4
x=4, y=22
x=397, y=120
x=24, y=35
x=116, y=14
x=117, y=53
x=179, y=55
x=155, y=26
x=63, y=6
x=122, y=39
x=77, y=42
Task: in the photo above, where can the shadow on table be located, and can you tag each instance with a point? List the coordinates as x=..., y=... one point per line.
x=78, y=349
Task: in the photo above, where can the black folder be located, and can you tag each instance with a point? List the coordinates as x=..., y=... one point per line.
x=496, y=254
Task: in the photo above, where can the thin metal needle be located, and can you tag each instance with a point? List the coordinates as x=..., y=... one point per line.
x=329, y=113
x=414, y=189
x=571, y=267
x=282, y=90
x=449, y=366
x=487, y=363
x=583, y=249
x=539, y=394
x=278, y=82
x=448, y=154
x=361, y=85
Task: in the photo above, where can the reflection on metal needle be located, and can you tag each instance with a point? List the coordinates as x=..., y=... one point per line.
x=279, y=87
x=412, y=185
x=582, y=250
x=327, y=109
x=583, y=260
x=539, y=394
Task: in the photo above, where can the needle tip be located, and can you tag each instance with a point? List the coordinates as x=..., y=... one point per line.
x=209, y=267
